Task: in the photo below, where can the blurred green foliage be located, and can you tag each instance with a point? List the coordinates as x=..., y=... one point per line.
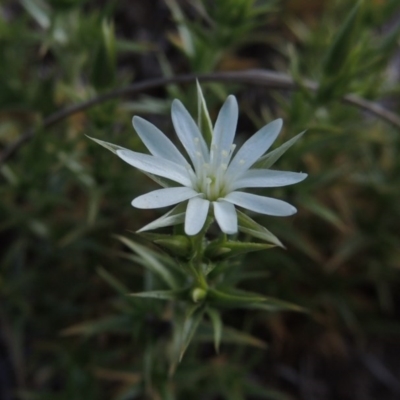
x=68, y=330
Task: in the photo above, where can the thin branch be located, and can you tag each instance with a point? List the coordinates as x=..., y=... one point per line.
x=270, y=79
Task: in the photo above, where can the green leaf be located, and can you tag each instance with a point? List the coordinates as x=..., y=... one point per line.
x=226, y=249
x=120, y=323
x=151, y=262
x=336, y=68
x=113, y=282
x=185, y=326
x=232, y=298
x=322, y=211
x=270, y=159
x=114, y=147
x=203, y=117
x=104, y=65
x=182, y=294
x=251, y=227
x=244, y=299
x=191, y=323
x=177, y=245
x=206, y=333
x=217, y=327
x=173, y=217
x=39, y=10
x=109, y=146
x=342, y=45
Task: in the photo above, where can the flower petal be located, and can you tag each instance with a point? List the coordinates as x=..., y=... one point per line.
x=261, y=204
x=224, y=131
x=164, y=197
x=189, y=134
x=267, y=178
x=157, y=166
x=157, y=143
x=225, y=214
x=254, y=148
x=196, y=214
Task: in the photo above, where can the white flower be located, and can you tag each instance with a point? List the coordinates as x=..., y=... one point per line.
x=215, y=176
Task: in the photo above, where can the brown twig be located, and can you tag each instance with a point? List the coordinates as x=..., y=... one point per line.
x=270, y=79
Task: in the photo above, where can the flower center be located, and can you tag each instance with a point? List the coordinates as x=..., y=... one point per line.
x=210, y=176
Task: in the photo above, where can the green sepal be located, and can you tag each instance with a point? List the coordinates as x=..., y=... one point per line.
x=203, y=117
x=270, y=158
x=176, y=245
x=173, y=217
x=114, y=147
x=226, y=249
x=151, y=262
x=177, y=295
x=109, y=146
x=252, y=228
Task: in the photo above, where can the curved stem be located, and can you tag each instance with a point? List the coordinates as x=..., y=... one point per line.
x=270, y=79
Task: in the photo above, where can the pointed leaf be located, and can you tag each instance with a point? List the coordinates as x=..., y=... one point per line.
x=173, y=217
x=233, y=298
x=120, y=323
x=244, y=299
x=228, y=249
x=151, y=262
x=114, y=147
x=192, y=321
x=113, y=282
x=217, y=327
x=251, y=227
x=203, y=117
x=270, y=159
x=231, y=335
x=109, y=146
x=342, y=44
x=177, y=245
x=182, y=294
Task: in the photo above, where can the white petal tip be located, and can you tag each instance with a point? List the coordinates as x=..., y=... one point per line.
x=230, y=232
x=191, y=232
x=137, y=204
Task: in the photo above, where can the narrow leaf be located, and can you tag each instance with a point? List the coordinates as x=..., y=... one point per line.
x=109, y=146
x=203, y=117
x=113, y=282
x=182, y=294
x=120, y=323
x=342, y=44
x=151, y=262
x=190, y=326
x=114, y=147
x=174, y=217
x=251, y=227
x=228, y=249
x=233, y=298
x=217, y=327
x=206, y=333
x=270, y=159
